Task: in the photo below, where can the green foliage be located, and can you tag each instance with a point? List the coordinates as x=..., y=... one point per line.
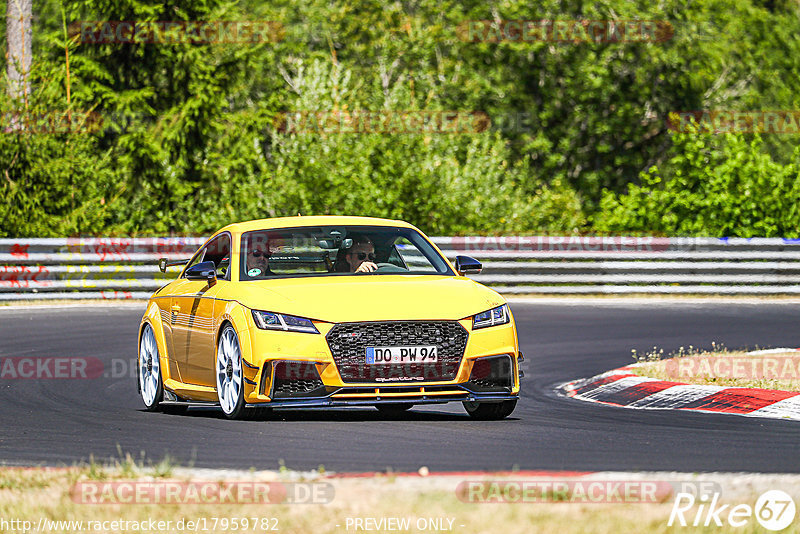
x=445, y=183
x=590, y=114
x=55, y=179
x=52, y=185
x=713, y=185
x=168, y=106
x=579, y=138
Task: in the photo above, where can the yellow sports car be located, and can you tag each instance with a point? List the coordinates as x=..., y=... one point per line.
x=310, y=312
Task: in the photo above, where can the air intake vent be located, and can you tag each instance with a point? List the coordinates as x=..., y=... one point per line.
x=297, y=379
x=491, y=374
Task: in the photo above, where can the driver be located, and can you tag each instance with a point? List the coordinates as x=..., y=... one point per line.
x=359, y=258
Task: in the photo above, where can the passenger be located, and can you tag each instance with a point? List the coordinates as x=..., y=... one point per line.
x=258, y=261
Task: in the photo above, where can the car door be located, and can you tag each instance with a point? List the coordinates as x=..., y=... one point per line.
x=172, y=320
x=193, y=326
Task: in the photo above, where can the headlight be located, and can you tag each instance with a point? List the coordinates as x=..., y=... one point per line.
x=278, y=321
x=493, y=317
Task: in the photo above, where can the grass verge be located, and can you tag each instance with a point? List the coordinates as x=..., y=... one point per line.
x=33, y=494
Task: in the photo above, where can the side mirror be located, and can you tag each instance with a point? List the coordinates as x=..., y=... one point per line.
x=163, y=263
x=205, y=270
x=465, y=264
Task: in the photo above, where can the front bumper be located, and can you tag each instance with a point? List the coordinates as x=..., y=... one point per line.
x=341, y=399
x=325, y=386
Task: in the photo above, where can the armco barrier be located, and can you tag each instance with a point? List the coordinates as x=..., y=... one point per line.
x=119, y=268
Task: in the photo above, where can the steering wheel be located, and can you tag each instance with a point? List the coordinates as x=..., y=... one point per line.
x=389, y=268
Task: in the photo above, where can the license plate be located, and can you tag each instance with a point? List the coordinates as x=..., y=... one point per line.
x=412, y=354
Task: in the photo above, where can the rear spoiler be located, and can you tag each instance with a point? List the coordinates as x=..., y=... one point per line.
x=163, y=263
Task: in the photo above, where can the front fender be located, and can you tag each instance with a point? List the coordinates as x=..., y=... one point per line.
x=153, y=317
x=239, y=317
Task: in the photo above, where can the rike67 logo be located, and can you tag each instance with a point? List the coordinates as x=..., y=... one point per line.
x=774, y=510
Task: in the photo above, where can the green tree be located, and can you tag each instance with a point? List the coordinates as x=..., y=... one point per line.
x=55, y=179
x=168, y=106
x=445, y=183
x=713, y=185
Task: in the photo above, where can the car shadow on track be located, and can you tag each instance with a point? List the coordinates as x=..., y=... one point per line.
x=332, y=415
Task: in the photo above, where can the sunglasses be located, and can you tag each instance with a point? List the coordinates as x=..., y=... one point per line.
x=363, y=255
x=258, y=253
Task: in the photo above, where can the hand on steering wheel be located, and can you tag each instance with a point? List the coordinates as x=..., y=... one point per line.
x=367, y=267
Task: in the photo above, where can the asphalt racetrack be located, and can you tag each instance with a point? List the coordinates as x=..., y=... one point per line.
x=64, y=421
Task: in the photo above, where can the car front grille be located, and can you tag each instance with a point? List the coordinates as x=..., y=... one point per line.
x=349, y=341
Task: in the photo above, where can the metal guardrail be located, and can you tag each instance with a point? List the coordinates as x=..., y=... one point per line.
x=119, y=268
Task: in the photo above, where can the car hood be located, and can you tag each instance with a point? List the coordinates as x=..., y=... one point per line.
x=371, y=297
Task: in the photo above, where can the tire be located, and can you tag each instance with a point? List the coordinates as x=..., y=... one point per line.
x=394, y=409
x=151, y=387
x=230, y=379
x=490, y=411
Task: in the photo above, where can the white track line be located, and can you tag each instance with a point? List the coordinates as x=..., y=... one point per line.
x=675, y=397
x=785, y=409
x=613, y=387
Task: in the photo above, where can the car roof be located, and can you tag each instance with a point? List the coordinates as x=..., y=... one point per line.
x=318, y=220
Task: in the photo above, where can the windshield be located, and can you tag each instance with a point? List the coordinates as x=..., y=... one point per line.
x=337, y=250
